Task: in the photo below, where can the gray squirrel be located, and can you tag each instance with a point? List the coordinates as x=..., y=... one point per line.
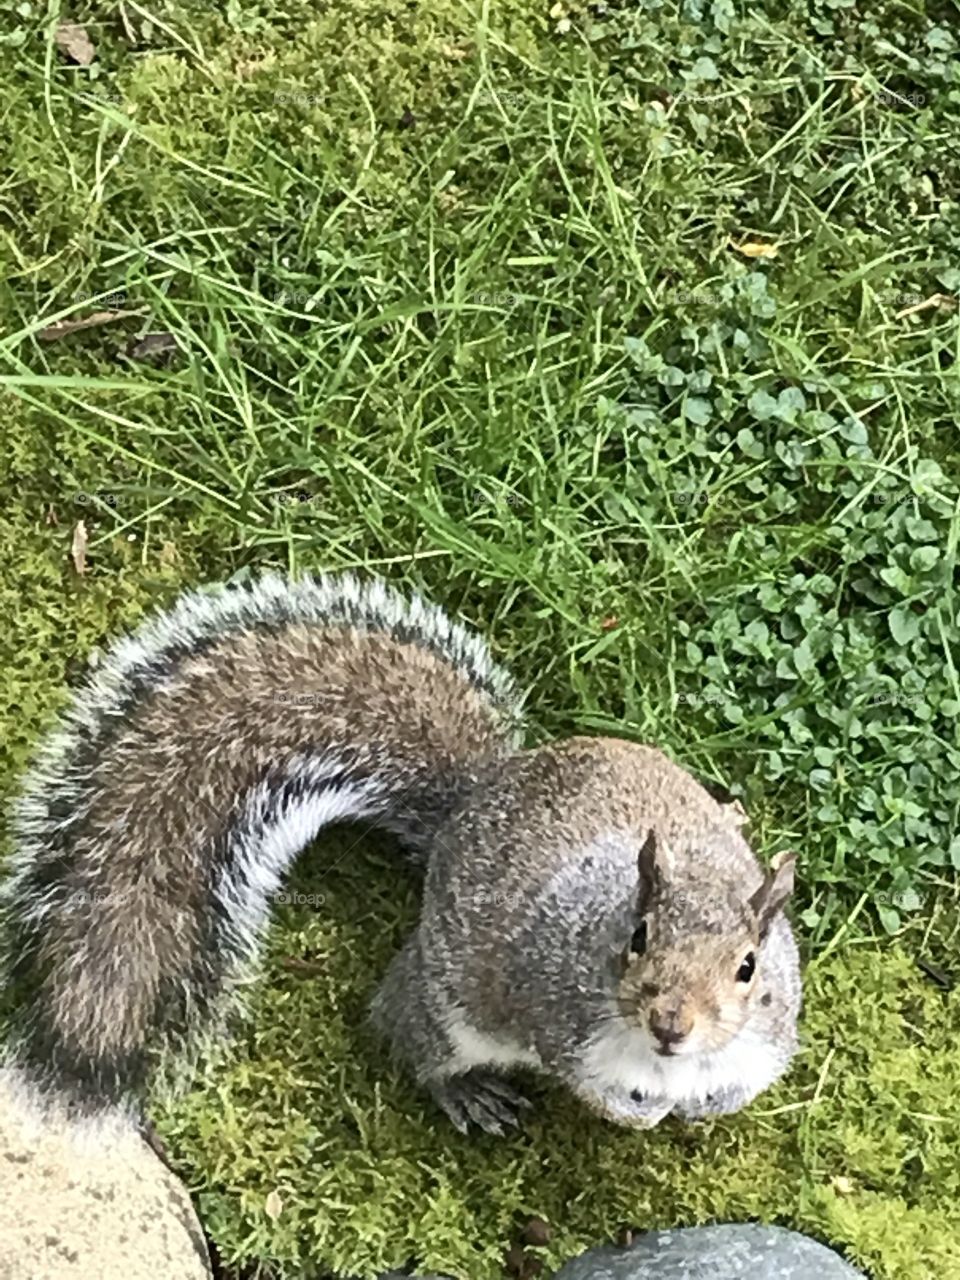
x=589, y=910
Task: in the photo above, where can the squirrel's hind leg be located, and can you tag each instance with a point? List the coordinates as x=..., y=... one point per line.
x=411, y=1012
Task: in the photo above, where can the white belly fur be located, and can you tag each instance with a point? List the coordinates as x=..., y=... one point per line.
x=475, y=1048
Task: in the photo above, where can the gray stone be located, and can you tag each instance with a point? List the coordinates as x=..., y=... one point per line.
x=90, y=1210
x=734, y=1251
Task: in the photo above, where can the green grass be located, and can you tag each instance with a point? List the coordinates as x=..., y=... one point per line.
x=467, y=281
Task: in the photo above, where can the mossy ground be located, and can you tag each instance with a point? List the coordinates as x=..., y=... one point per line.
x=468, y=283
x=857, y=1146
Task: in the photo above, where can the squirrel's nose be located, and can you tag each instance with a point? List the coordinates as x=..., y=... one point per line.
x=668, y=1028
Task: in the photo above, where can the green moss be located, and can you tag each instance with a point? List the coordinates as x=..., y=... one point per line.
x=857, y=1146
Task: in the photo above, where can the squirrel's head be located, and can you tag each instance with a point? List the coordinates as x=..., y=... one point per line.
x=693, y=966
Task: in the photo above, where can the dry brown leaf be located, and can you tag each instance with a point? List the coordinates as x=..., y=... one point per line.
x=72, y=39
x=942, y=301
x=737, y=812
x=273, y=1205
x=152, y=344
x=297, y=964
x=63, y=327
x=78, y=547
x=168, y=555
x=754, y=249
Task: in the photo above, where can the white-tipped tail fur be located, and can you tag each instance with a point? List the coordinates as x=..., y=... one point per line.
x=155, y=828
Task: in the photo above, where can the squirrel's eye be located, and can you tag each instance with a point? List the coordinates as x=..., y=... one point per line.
x=638, y=942
x=746, y=970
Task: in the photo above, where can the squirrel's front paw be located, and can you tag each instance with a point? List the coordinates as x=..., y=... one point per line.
x=723, y=1102
x=634, y=1110
x=696, y=1108
x=643, y=1111
x=480, y=1097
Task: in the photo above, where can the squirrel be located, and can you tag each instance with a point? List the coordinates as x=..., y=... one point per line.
x=589, y=910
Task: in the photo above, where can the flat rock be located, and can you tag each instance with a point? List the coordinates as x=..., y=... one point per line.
x=734, y=1251
x=89, y=1210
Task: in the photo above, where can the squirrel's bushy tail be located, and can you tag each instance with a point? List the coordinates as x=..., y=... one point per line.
x=204, y=753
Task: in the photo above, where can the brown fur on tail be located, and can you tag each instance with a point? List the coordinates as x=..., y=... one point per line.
x=205, y=753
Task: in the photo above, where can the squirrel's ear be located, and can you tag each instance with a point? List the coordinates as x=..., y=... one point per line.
x=652, y=866
x=776, y=889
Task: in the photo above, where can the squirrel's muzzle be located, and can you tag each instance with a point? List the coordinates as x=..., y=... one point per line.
x=670, y=1027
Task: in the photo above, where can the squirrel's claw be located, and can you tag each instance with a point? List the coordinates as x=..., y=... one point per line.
x=479, y=1098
